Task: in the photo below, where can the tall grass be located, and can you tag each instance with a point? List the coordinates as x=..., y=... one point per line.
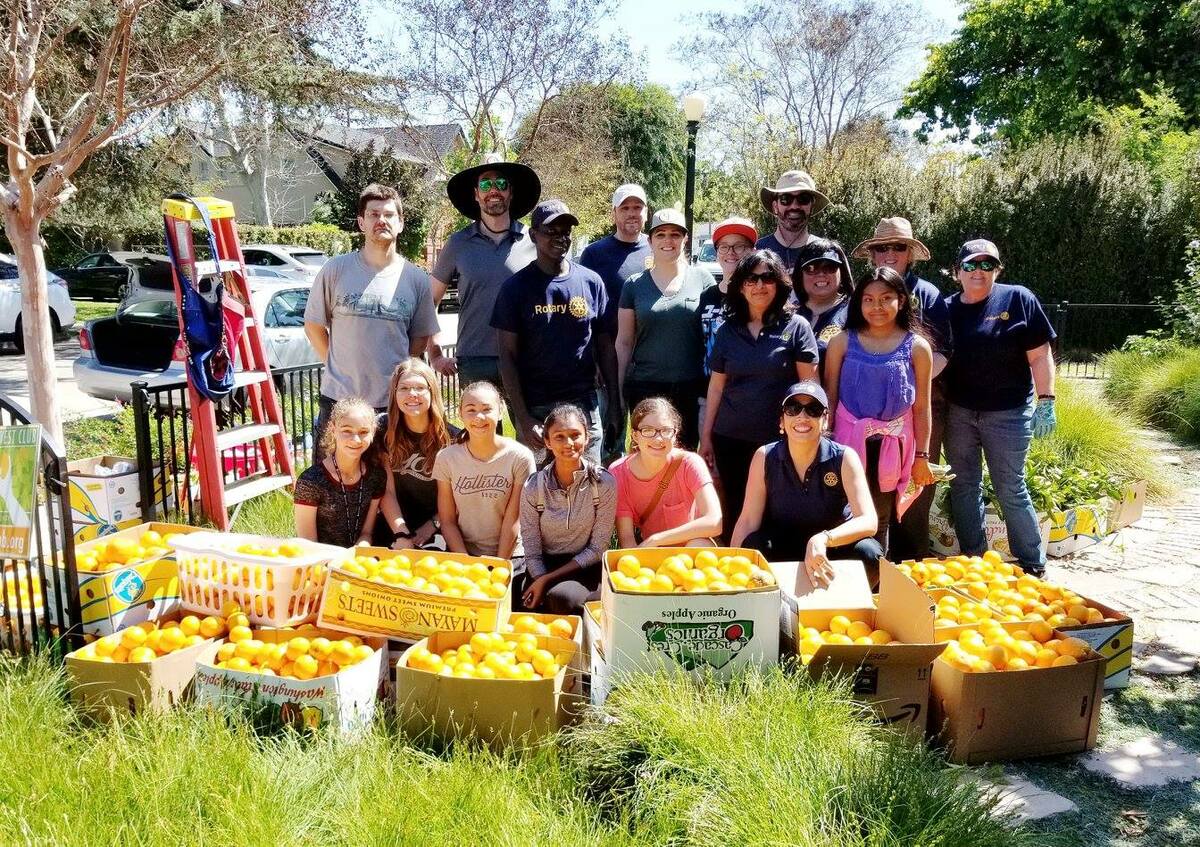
x=768, y=760
x=1091, y=433
x=1162, y=389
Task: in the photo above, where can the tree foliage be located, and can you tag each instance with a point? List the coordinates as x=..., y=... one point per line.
x=1024, y=69
x=648, y=133
x=377, y=164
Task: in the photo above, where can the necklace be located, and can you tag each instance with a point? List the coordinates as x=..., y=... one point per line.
x=356, y=521
x=493, y=231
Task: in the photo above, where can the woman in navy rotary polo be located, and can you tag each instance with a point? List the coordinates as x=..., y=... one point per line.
x=1001, y=359
x=807, y=497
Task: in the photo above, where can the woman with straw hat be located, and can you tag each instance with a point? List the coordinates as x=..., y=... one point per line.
x=893, y=246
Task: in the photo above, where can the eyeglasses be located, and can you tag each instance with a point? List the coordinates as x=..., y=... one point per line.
x=499, y=183
x=648, y=432
x=767, y=278
x=982, y=265
x=812, y=408
x=735, y=249
x=889, y=248
x=789, y=199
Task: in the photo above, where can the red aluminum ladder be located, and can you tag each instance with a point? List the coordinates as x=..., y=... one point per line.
x=265, y=431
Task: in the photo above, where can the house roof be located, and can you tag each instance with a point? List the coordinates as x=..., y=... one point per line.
x=415, y=143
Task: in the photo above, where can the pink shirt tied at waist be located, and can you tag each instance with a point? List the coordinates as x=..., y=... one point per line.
x=896, y=450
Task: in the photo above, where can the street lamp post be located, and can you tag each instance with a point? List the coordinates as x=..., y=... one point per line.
x=693, y=113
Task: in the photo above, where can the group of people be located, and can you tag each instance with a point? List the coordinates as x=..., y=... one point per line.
x=792, y=407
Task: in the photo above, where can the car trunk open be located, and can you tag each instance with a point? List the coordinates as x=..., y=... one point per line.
x=129, y=342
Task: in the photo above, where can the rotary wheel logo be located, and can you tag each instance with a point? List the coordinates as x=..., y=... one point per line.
x=828, y=333
x=831, y=479
x=578, y=308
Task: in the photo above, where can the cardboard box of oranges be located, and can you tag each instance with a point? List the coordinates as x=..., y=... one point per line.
x=127, y=577
x=410, y=594
x=492, y=686
x=559, y=626
x=887, y=650
x=705, y=610
x=306, y=677
x=1001, y=692
x=149, y=665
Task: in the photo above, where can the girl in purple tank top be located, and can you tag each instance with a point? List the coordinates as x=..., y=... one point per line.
x=878, y=374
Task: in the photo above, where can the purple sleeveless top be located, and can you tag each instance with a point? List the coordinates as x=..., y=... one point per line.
x=877, y=385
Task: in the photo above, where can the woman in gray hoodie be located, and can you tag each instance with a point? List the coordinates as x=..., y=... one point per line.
x=567, y=513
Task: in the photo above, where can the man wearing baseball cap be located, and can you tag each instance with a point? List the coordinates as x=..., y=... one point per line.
x=793, y=201
x=493, y=195
x=550, y=319
x=617, y=257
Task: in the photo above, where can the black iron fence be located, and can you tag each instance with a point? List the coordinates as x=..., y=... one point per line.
x=39, y=604
x=166, y=448
x=1086, y=331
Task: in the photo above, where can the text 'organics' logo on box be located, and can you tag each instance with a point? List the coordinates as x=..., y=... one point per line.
x=695, y=645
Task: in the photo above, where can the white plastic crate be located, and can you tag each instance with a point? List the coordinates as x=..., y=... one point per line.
x=270, y=590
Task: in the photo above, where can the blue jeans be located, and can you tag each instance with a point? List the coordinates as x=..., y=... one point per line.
x=1003, y=437
x=591, y=414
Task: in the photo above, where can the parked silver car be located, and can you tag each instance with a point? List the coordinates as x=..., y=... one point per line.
x=302, y=263
x=142, y=341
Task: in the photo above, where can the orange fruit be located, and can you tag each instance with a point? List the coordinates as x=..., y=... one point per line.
x=297, y=647
x=240, y=633
x=1064, y=661
x=142, y=654
x=135, y=636
x=190, y=624
x=305, y=667
x=212, y=627
x=1076, y=648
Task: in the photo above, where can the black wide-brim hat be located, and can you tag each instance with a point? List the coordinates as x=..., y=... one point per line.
x=526, y=188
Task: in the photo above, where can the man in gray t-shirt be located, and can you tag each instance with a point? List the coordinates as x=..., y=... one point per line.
x=368, y=310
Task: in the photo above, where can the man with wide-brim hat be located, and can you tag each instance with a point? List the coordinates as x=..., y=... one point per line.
x=793, y=201
x=480, y=257
x=893, y=245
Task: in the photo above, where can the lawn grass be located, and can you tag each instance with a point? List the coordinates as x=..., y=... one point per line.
x=1156, y=817
x=101, y=436
x=772, y=760
x=1162, y=389
x=90, y=310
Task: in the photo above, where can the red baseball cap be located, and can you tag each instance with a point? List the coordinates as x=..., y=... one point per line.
x=735, y=226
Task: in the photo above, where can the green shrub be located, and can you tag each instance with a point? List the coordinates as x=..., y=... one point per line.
x=1162, y=389
x=324, y=237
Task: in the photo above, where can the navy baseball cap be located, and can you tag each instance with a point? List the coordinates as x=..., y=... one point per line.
x=978, y=248
x=551, y=210
x=824, y=256
x=810, y=387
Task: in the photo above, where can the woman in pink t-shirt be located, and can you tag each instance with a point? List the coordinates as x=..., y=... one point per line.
x=688, y=513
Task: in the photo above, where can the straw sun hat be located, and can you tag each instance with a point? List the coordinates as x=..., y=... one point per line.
x=890, y=231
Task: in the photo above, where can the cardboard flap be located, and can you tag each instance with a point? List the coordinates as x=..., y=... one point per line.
x=905, y=610
x=848, y=589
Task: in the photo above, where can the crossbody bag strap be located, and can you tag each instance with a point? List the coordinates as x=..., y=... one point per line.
x=668, y=475
x=540, y=505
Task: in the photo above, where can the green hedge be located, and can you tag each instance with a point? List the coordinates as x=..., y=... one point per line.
x=1159, y=384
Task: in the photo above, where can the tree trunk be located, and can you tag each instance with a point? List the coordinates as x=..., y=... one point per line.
x=24, y=235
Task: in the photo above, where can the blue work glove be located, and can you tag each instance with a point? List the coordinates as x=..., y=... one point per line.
x=1044, y=419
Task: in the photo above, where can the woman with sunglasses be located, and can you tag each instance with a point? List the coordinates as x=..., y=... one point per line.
x=807, y=497
x=1001, y=359
x=823, y=295
x=665, y=495
x=878, y=372
x=409, y=435
x=660, y=345
x=760, y=350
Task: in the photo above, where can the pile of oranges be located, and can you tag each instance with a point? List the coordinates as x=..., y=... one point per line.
x=120, y=552
x=992, y=648
x=1026, y=598
x=527, y=624
x=285, y=550
x=148, y=640
x=842, y=630
x=298, y=657
x=942, y=573
x=706, y=571
x=491, y=655
x=474, y=581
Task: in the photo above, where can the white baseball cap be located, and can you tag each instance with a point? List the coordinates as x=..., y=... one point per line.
x=629, y=189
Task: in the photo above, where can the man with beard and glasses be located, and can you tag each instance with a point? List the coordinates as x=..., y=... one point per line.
x=553, y=336
x=481, y=256
x=793, y=201
x=616, y=258
x=368, y=310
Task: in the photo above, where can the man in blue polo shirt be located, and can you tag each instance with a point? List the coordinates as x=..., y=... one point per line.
x=552, y=335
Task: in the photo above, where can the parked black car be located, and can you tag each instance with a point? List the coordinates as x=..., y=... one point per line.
x=105, y=276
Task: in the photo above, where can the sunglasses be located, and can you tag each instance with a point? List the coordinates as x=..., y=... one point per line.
x=889, y=248
x=499, y=183
x=667, y=432
x=767, y=278
x=789, y=199
x=812, y=408
x=982, y=265
x=821, y=268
